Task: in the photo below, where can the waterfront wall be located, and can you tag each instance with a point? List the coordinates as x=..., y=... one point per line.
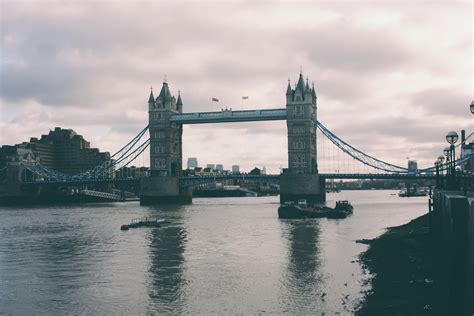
x=453, y=236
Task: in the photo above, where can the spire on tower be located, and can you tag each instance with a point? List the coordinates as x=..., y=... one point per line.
x=288, y=89
x=179, y=102
x=151, y=99
x=313, y=91
x=306, y=89
x=300, y=84
x=165, y=92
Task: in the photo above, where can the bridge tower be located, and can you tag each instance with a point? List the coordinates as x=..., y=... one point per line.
x=301, y=179
x=165, y=151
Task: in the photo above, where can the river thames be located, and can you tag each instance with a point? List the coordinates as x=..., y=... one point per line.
x=218, y=255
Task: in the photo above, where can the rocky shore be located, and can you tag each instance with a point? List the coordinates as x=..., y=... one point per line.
x=402, y=267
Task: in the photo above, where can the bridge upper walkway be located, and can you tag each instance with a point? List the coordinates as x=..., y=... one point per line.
x=228, y=116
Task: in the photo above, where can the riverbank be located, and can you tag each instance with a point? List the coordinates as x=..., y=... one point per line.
x=401, y=263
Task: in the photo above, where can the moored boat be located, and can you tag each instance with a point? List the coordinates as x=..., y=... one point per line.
x=291, y=210
x=342, y=210
x=144, y=222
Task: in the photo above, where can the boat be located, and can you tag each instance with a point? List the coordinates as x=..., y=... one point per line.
x=342, y=210
x=290, y=210
x=406, y=193
x=144, y=222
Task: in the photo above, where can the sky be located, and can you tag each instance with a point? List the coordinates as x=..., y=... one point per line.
x=392, y=77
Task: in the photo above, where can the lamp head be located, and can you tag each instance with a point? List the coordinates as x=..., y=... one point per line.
x=446, y=151
x=452, y=137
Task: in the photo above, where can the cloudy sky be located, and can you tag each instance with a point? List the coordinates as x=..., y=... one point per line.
x=391, y=77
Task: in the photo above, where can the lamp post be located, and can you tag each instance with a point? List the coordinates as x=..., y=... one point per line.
x=436, y=163
x=440, y=168
x=447, y=154
x=452, y=138
x=472, y=107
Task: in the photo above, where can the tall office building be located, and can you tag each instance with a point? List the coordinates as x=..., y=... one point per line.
x=235, y=168
x=211, y=165
x=192, y=163
x=219, y=167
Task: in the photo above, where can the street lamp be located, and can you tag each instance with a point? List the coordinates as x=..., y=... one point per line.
x=447, y=154
x=472, y=107
x=439, y=169
x=437, y=163
x=452, y=138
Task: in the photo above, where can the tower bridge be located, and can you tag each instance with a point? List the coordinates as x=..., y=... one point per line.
x=165, y=182
x=166, y=119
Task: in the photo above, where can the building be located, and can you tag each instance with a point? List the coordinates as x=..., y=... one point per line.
x=412, y=166
x=211, y=165
x=467, y=149
x=63, y=150
x=255, y=172
x=192, y=163
x=235, y=169
x=219, y=168
x=16, y=154
x=132, y=172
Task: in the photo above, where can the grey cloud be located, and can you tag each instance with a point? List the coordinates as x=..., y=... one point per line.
x=89, y=65
x=445, y=101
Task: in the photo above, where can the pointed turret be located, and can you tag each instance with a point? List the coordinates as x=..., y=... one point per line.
x=288, y=89
x=300, y=84
x=313, y=92
x=306, y=88
x=151, y=99
x=179, y=102
x=165, y=92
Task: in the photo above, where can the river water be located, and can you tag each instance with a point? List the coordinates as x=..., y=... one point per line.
x=218, y=255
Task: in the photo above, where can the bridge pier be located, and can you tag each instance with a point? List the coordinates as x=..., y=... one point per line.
x=310, y=187
x=163, y=190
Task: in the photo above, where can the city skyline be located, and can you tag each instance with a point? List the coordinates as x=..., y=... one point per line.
x=394, y=67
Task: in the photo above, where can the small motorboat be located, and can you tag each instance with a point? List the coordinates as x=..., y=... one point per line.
x=144, y=222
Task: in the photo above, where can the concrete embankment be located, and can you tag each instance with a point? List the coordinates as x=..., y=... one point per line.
x=425, y=267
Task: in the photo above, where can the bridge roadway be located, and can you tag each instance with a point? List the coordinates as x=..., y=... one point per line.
x=189, y=181
x=229, y=116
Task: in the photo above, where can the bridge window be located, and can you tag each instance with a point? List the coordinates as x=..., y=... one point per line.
x=299, y=110
x=299, y=145
x=299, y=161
x=159, y=163
x=159, y=134
x=162, y=164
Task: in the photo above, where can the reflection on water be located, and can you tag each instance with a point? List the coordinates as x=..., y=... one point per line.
x=166, y=279
x=302, y=282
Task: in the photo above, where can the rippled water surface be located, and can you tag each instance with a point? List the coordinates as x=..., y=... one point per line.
x=225, y=255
